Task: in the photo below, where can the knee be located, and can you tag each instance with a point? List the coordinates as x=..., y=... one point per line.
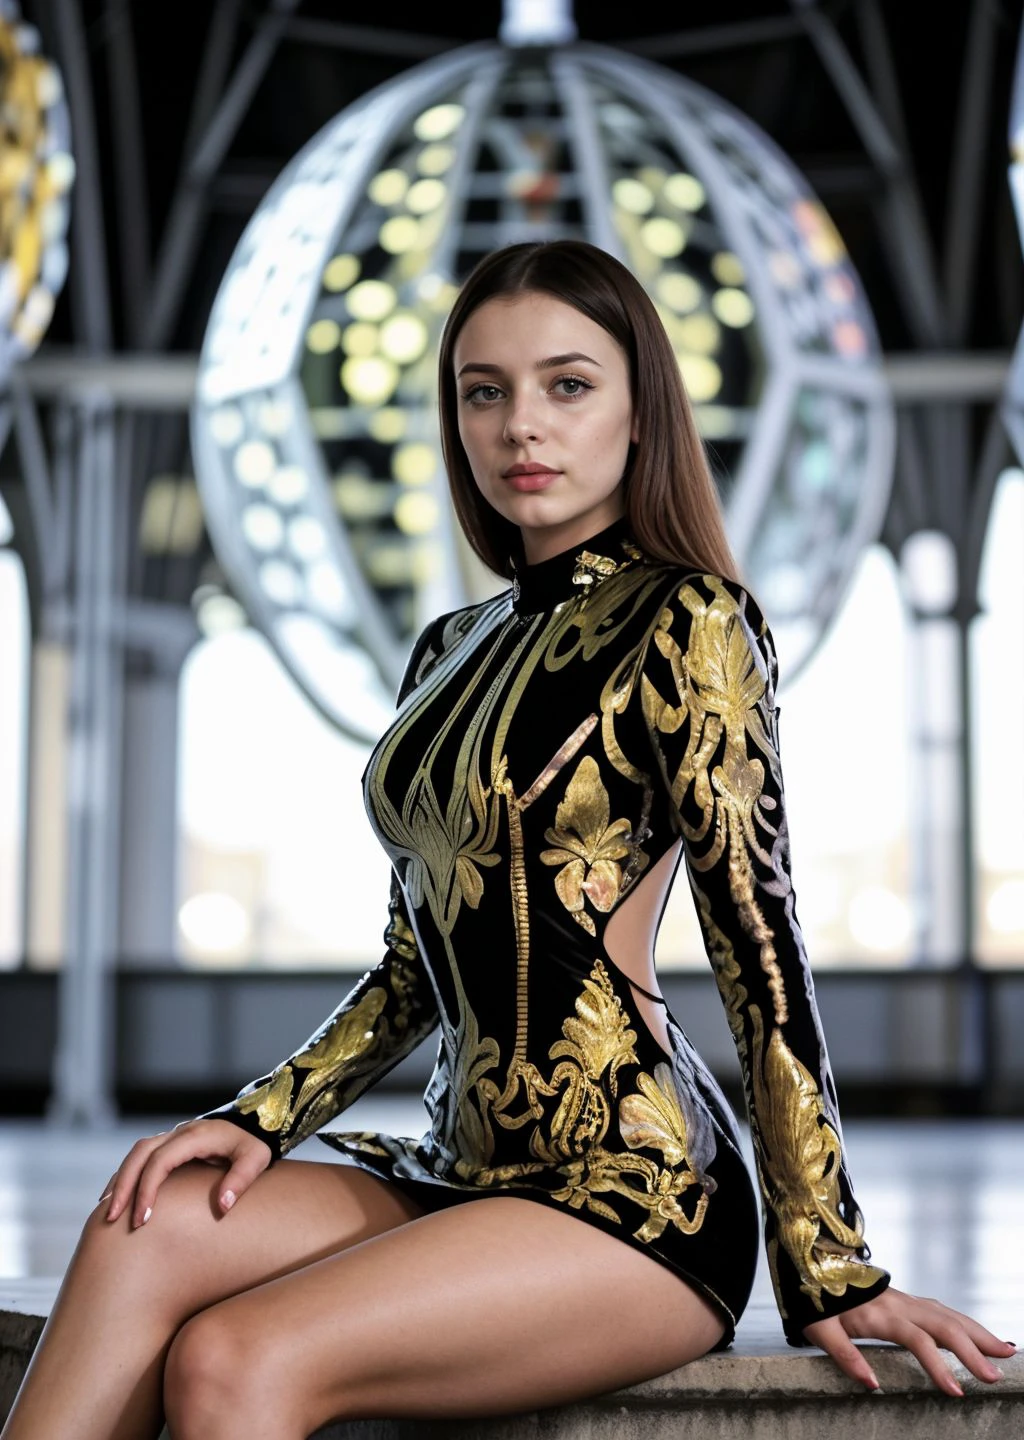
x=212, y=1387
x=206, y=1377
x=185, y=1193
x=168, y=1245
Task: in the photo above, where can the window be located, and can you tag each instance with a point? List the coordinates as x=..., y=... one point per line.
x=14, y=659
x=278, y=862
x=997, y=730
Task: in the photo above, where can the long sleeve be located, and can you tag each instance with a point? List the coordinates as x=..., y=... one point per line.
x=380, y=1021
x=708, y=697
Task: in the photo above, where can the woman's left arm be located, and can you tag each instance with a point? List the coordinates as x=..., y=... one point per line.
x=922, y=1327
x=708, y=686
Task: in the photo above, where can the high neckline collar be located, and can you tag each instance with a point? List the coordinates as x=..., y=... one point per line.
x=574, y=571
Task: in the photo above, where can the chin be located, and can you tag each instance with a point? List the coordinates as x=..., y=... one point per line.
x=525, y=509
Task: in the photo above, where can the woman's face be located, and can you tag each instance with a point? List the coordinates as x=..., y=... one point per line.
x=545, y=416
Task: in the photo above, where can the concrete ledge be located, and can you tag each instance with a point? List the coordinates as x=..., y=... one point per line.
x=761, y=1388
x=24, y=1306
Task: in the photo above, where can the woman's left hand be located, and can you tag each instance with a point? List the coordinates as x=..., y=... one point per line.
x=921, y=1326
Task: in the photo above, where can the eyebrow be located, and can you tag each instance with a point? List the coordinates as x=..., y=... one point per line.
x=570, y=358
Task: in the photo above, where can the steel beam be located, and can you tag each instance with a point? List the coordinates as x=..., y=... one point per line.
x=181, y=236
x=90, y=294
x=129, y=167
x=367, y=39
x=712, y=37
x=967, y=172
x=167, y=382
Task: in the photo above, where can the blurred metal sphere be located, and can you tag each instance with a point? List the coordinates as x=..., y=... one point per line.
x=36, y=174
x=314, y=428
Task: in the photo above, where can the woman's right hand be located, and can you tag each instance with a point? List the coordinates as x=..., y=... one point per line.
x=148, y=1163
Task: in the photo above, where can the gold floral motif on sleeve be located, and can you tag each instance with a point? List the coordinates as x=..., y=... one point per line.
x=801, y=1154
x=399, y=935
x=726, y=968
x=721, y=689
x=270, y=1101
x=347, y=1040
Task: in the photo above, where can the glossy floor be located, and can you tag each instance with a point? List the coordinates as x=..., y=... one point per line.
x=943, y=1201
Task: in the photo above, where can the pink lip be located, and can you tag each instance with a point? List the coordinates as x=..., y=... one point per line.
x=530, y=477
x=535, y=481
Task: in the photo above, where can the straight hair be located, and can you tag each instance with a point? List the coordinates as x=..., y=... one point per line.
x=670, y=496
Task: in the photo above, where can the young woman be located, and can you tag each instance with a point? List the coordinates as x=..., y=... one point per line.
x=578, y=1217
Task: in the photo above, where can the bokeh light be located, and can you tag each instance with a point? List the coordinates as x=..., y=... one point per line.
x=332, y=309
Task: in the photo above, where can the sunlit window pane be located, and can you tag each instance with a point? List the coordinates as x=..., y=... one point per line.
x=279, y=865
x=997, y=728
x=14, y=652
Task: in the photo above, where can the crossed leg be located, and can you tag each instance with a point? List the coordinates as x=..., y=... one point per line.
x=493, y=1306
x=97, y=1372
x=326, y=1292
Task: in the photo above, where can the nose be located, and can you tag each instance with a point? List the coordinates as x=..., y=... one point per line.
x=523, y=425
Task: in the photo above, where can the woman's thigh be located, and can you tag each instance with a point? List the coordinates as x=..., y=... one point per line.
x=492, y=1306
x=191, y=1254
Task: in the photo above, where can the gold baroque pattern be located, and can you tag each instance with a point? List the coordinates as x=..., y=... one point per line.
x=592, y=568
x=801, y=1155
x=597, y=1042
x=721, y=689
x=588, y=848
x=654, y=1118
x=562, y=1094
x=348, y=1039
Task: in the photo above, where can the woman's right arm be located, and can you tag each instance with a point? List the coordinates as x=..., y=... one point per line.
x=384, y=1017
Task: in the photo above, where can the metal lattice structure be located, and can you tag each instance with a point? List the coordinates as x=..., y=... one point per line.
x=314, y=431
x=1013, y=403
x=98, y=463
x=35, y=180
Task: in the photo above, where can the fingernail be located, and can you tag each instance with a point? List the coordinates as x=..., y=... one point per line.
x=874, y=1382
x=105, y=1196
x=227, y=1199
x=995, y=1373
x=149, y=1211
x=957, y=1391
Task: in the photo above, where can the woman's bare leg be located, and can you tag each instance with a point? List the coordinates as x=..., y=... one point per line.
x=97, y=1373
x=496, y=1305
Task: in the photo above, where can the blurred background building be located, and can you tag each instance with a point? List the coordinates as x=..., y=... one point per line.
x=223, y=517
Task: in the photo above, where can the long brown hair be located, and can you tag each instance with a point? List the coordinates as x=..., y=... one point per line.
x=670, y=497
